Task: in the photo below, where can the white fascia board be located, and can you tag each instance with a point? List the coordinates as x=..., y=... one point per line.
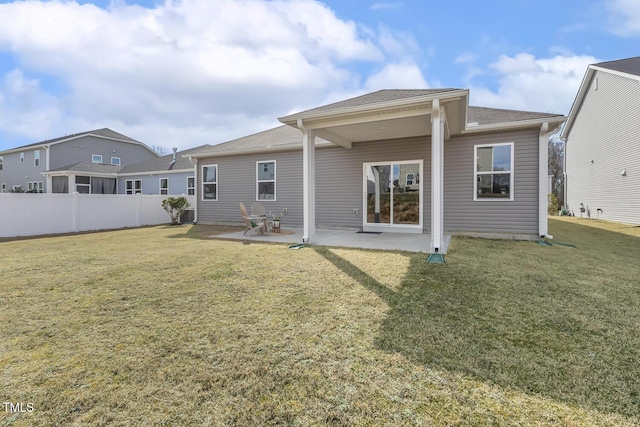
x=158, y=172
x=615, y=72
x=46, y=144
x=81, y=173
x=370, y=108
x=555, y=121
x=22, y=149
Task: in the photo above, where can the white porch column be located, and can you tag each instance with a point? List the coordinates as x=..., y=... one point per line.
x=437, y=178
x=308, y=182
x=543, y=171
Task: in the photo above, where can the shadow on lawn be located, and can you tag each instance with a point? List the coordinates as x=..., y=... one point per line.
x=517, y=315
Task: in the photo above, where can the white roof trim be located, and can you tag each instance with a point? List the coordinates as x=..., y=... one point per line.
x=558, y=120
x=156, y=172
x=45, y=144
x=370, y=108
x=615, y=72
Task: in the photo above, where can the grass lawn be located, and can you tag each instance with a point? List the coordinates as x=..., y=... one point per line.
x=160, y=326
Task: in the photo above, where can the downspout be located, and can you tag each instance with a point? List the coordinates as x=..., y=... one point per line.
x=195, y=188
x=543, y=171
x=46, y=169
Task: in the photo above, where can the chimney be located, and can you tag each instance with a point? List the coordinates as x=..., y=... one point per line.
x=175, y=150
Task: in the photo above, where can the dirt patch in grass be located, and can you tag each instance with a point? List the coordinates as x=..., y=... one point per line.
x=159, y=326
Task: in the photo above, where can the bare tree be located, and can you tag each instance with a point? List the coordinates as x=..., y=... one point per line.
x=161, y=150
x=556, y=167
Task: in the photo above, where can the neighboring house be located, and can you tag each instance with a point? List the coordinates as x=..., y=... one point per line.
x=83, y=162
x=602, y=149
x=173, y=174
x=469, y=170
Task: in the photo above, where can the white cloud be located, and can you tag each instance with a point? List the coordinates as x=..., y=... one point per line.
x=537, y=84
x=625, y=17
x=193, y=70
x=386, y=5
x=397, y=76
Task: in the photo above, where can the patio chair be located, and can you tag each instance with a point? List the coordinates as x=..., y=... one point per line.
x=258, y=211
x=252, y=223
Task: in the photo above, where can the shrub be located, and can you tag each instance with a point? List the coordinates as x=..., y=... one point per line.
x=175, y=207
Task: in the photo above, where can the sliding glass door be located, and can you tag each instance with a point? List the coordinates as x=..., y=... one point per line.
x=393, y=194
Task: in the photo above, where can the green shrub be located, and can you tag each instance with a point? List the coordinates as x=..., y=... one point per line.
x=175, y=207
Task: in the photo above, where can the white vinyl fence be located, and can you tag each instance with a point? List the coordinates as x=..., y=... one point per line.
x=26, y=214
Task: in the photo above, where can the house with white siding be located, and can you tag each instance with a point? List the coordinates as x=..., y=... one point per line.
x=602, y=134
x=402, y=161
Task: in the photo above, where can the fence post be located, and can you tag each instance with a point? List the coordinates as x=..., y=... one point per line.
x=75, y=214
x=138, y=210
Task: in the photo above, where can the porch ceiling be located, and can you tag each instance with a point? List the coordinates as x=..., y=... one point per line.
x=405, y=127
x=388, y=124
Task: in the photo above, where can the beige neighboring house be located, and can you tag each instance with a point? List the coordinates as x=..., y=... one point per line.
x=602, y=137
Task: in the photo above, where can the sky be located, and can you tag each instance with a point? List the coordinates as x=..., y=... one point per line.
x=182, y=73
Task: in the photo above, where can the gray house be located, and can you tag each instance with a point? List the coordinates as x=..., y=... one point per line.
x=603, y=143
x=85, y=162
x=173, y=174
x=471, y=170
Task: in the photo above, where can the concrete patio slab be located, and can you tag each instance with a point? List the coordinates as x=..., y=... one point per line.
x=347, y=238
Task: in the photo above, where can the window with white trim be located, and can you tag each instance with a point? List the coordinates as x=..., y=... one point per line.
x=21, y=157
x=115, y=161
x=191, y=185
x=1, y=162
x=266, y=180
x=36, y=186
x=4, y=187
x=36, y=158
x=96, y=158
x=210, y=182
x=493, y=177
x=133, y=186
x=164, y=186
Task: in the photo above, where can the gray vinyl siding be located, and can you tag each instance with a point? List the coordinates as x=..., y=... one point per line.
x=151, y=184
x=464, y=215
x=237, y=184
x=339, y=178
x=606, y=130
x=339, y=182
x=15, y=172
x=81, y=149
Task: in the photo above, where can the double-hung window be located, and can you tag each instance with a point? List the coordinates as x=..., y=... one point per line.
x=210, y=182
x=164, y=186
x=266, y=180
x=133, y=186
x=493, y=178
x=191, y=185
x=36, y=158
x=1, y=161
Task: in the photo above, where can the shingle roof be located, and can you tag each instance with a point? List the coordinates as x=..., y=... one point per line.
x=280, y=136
x=377, y=97
x=629, y=65
x=164, y=163
x=106, y=132
x=89, y=167
x=486, y=116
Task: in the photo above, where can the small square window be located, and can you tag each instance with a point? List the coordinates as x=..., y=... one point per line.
x=115, y=161
x=96, y=158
